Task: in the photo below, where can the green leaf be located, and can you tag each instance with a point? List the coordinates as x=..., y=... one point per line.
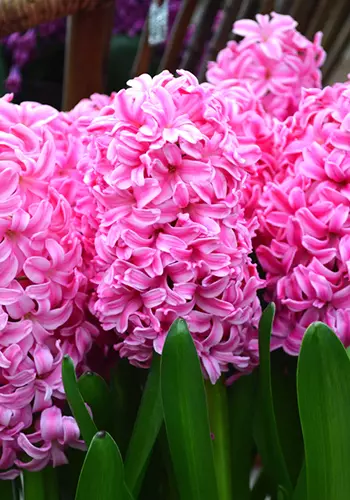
x=186, y=416
x=283, y=378
x=33, y=485
x=282, y=494
x=266, y=432
x=262, y=488
x=219, y=426
x=159, y=481
x=300, y=492
x=126, y=382
x=68, y=475
x=86, y=425
x=323, y=382
x=102, y=475
x=97, y=395
x=242, y=396
x=148, y=422
x=51, y=484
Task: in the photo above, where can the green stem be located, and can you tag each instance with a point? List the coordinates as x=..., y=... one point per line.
x=34, y=485
x=16, y=488
x=219, y=425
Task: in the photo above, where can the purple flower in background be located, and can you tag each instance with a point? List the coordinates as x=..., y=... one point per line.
x=14, y=80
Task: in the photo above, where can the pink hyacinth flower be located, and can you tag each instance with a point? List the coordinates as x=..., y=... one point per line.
x=167, y=168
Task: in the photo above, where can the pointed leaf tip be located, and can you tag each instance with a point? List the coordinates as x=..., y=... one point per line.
x=102, y=475
x=101, y=434
x=179, y=327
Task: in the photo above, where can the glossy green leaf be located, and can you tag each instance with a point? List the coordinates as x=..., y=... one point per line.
x=148, y=422
x=284, y=390
x=242, y=398
x=33, y=485
x=86, y=425
x=219, y=425
x=102, y=475
x=186, y=416
x=97, y=395
x=300, y=492
x=266, y=431
x=324, y=404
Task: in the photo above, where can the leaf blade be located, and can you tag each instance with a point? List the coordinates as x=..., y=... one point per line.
x=146, y=429
x=86, y=425
x=219, y=425
x=102, y=474
x=33, y=485
x=242, y=396
x=97, y=395
x=266, y=431
x=323, y=381
x=186, y=416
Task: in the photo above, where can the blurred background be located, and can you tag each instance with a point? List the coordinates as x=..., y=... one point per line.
x=32, y=61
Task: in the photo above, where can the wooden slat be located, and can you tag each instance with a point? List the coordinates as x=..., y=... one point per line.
x=319, y=18
x=336, y=52
x=338, y=16
x=267, y=6
x=204, y=26
x=20, y=15
x=177, y=36
x=248, y=10
x=220, y=37
x=144, y=54
x=283, y=6
x=143, y=57
x=87, y=42
x=302, y=12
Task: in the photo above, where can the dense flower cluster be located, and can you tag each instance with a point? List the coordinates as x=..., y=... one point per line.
x=253, y=124
x=305, y=222
x=275, y=58
x=43, y=291
x=167, y=170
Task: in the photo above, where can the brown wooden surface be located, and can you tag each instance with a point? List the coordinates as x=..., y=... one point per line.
x=337, y=50
x=204, y=25
x=267, y=6
x=144, y=54
x=221, y=35
x=178, y=33
x=20, y=15
x=87, y=42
